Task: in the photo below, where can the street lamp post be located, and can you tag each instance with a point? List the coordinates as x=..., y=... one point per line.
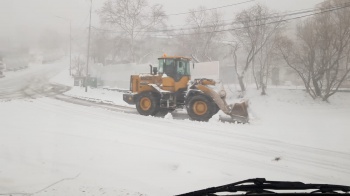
x=88, y=51
x=70, y=47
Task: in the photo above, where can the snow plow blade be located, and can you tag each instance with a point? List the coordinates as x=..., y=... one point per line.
x=237, y=111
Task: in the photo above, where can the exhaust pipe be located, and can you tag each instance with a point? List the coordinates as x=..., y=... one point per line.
x=151, y=68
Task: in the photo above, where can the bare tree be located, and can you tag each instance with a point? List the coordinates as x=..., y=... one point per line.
x=202, y=38
x=78, y=66
x=253, y=29
x=267, y=59
x=321, y=54
x=234, y=47
x=134, y=17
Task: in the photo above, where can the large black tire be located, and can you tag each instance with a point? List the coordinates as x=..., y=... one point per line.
x=215, y=108
x=200, y=108
x=147, y=104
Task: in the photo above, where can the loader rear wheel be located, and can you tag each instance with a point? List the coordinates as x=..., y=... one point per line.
x=147, y=104
x=200, y=108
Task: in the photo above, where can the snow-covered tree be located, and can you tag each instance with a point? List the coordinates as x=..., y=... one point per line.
x=134, y=17
x=253, y=29
x=201, y=38
x=321, y=53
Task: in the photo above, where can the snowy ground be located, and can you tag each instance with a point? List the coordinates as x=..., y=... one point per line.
x=50, y=147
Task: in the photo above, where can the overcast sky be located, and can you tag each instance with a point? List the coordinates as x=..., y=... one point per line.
x=33, y=16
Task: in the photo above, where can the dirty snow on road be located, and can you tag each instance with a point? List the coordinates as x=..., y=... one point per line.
x=51, y=147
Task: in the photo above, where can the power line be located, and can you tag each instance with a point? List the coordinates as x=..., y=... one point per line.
x=234, y=19
x=237, y=22
x=283, y=20
x=292, y=13
x=176, y=14
x=274, y=15
x=174, y=29
x=214, y=8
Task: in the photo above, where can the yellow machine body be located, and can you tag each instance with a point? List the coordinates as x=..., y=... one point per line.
x=141, y=83
x=167, y=87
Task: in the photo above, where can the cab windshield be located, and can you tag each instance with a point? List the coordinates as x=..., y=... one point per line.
x=175, y=68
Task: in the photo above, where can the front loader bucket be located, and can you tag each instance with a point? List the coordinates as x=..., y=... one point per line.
x=239, y=112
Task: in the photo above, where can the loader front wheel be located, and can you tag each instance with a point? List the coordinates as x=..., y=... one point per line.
x=200, y=108
x=216, y=108
x=147, y=104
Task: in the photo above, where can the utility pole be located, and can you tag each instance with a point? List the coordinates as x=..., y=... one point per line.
x=88, y=51
x=70, y=47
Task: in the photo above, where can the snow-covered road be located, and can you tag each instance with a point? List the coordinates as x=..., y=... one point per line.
x=52, y=147
x=31, y=82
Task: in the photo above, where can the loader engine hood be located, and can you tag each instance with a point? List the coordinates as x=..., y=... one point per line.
x=150, y=79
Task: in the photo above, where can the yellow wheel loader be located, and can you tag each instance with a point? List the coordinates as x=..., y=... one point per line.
x=169, y=87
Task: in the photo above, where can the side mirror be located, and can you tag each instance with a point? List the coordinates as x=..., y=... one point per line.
x=155, y=70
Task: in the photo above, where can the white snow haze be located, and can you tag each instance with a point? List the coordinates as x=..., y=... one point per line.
x=59, y=137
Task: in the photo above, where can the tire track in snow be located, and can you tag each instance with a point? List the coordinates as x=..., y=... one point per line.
x=233, y=147
x=321, y=160
x=292, y=152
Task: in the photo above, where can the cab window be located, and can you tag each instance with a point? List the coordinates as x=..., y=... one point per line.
x=174, y=68
x=183, y=68
x=167, y=66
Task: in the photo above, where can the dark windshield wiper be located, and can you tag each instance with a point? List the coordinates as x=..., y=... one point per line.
x=262, y=186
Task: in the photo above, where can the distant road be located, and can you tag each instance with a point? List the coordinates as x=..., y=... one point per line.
x=27, y=82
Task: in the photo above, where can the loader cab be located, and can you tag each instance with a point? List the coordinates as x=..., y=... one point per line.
x=174, y=67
